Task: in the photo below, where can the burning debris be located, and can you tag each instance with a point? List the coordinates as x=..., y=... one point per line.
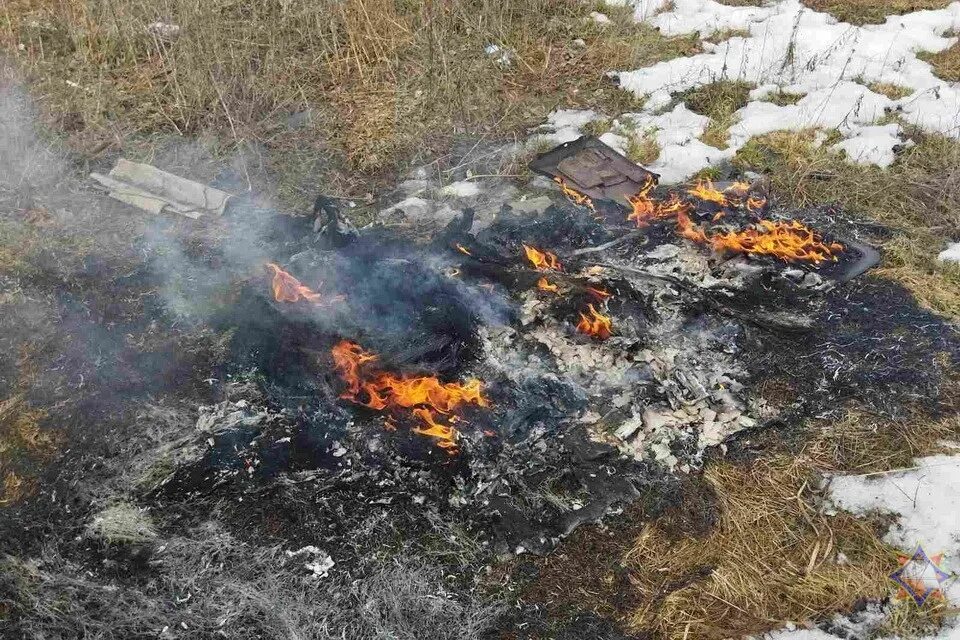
x=621, y=354
x=286, y=288
x=425, y=396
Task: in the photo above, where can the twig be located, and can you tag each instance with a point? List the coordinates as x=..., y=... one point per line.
x=609, y=245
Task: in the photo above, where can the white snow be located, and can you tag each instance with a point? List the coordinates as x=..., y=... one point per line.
x=926, y=497
x=600, y=18
x=793, y=49
x=872, y=144
x=951, y=253
x=461, y=189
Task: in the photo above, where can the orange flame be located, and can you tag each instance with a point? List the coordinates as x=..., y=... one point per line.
x=596, y=325
x=786, y=240
x=426, y=396
x=462, y=249
x=544, y=285
x=286, y=288
x=705, y=190
x=542, y=260
x=574, y=196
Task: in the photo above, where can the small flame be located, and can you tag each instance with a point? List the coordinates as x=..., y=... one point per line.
x=462, y=249
x=286, y=288
x=596, y=324
x=575, y=196
x=425, y=396
x=705, y=190
x=542, y=260
x=544, y=285
x=786, y=240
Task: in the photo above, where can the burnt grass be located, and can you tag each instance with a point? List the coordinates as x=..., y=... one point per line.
x=108, y=346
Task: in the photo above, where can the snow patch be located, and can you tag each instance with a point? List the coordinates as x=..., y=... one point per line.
x=797, y=50
x=951, y=253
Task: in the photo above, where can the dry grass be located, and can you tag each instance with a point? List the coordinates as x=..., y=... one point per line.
x=725, y=34
x=783, y=98
x=743, y=3
x=871, y=11
x=946, y=63
x=643, y=149
x=718, y=101
x=889, y=89
x=376, y=83
x=866, y=443
x=918, y=197
x=23, y=444
x=771, y=557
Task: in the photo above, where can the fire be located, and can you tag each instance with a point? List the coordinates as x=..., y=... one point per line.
x=574, y=196
x=426, y=396
x=542, y=260
x=596, y=324
x=705, y=190
x=462, y=249
x=544, y=285
x=286, y=288
x=786, y=240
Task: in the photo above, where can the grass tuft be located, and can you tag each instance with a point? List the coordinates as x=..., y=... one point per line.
x=889, y=89
x=871, y=11
x=717, y=100
x=721, y=35
x=946, y=63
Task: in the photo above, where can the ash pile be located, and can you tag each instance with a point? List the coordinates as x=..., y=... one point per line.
x=523, y=370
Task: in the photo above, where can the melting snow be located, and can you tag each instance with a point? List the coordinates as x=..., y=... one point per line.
x=951, y=253
x=926, y=498
x=793, y=49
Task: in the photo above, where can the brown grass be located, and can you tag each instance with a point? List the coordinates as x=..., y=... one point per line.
x=382, y=82
x=871, y=11
x=946, y=63
x=918, y=197
x=772, y=557
x=725, y=34
x=23, y=444
x=717, y=100
x=889, y=89
x=783, y=98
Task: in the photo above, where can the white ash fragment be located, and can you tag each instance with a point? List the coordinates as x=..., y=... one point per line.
x=229, y=415
x=320, y=563
x=163, y=30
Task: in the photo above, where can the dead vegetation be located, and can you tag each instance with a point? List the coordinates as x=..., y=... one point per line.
x=918, y=197
x=772, y=557
x=213, y=585
x=871, y=11
x=946, y=63
x=889, y=89
x=23, y=445
x=372, y=83
x=717, y=100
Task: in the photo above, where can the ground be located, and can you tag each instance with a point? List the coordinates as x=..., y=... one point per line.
x=789, y=532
